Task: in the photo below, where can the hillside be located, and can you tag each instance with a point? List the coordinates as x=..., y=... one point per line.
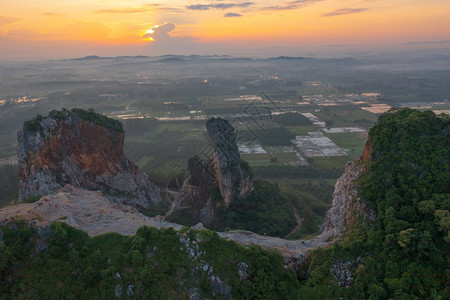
x=403, y=253
x=390, y=219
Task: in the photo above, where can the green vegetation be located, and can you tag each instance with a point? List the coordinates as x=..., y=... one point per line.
x=308, y=172
x=403, y=254
x=32, y=199
x=153, y=264
x=311, y=201
x=88, y=115
x=34, y=124
x=292, y=119
x=277, y=136
x=9, y=180
x=91, y=116
x=265, y=211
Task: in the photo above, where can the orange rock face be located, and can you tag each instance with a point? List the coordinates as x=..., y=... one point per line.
x=367, y=153
x=84, y=154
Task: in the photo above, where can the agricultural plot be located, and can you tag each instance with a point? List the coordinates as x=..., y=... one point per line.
x=251, y=149
x=287, y=155
x=314, y=119
x=317, y=144
x=377, y=108
x=280, y=149
x=344, y=130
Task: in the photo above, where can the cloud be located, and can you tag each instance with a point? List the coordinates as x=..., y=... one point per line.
x=219, y=6
x=51, y=14
x=290, y=5
x=138, y=10
x=163, y=41
x=232, y=15
x=159, y=32
x=344, y=11
x=129, y=10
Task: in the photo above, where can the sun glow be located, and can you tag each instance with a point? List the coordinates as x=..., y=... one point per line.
x=267, y=22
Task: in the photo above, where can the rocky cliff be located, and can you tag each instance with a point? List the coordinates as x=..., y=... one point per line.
x=195, y=197
x=347, y=207
x=223, y=171
x=233, y=179
x=83, y=149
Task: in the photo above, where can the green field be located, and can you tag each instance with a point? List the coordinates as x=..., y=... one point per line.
x=352, y=143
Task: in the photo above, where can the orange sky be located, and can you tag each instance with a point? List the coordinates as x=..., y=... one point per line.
x=33, y=29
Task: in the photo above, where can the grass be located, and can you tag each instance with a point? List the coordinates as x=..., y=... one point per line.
x=344, y=118
x=330, y=161
x=257, y=159
x=143, y=161
x=302, y=130
x=286, y=157
x=285, y=183
x=353, y=144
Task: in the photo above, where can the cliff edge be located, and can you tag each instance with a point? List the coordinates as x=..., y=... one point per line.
x=347, y=206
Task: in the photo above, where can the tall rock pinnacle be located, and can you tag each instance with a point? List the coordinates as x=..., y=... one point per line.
x=233, y=179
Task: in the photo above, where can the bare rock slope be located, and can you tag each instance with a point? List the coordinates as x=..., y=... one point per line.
x=92, y=212
x=83, y=149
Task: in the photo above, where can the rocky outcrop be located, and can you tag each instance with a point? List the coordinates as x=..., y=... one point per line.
x=233, y=179
x=347, y=207
x=83, y=149
x=195, y=199
x=223, y=171
x=366, y=156
x=198, y=183
x=92, y=212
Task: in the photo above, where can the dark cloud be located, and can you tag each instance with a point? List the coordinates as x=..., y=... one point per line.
x=344, y=11
x=232, y=15
x=219, y=6
x=290, y=5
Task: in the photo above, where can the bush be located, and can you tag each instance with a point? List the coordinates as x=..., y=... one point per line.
x=91, y=116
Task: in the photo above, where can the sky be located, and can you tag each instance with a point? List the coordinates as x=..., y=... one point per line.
x=31, y=29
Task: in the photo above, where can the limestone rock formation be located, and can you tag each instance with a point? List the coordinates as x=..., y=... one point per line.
x=83, y=149
x=90, y=211
x=198, y=183
x=233, y=179
x=195, y=197
x=367, y=153
x=347, y=207
x=224, y=171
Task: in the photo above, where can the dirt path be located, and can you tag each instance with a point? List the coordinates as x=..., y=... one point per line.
x=299, y=224
x=172, y=196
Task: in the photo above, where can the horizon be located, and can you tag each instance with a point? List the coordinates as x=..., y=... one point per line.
x=321, y=28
